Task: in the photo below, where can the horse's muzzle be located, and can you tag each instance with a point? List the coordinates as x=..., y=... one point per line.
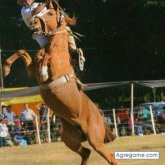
x=35, y=29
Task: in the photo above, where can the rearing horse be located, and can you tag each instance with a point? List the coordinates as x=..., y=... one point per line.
x=80, y=117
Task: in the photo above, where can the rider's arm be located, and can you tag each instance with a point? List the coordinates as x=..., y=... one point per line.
x=40, y=7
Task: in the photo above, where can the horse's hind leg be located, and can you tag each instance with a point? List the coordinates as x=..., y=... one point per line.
x=96, y=135
x=77, y=147
x=73, y=140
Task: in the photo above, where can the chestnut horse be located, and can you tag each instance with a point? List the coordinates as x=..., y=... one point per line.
x=80, y=117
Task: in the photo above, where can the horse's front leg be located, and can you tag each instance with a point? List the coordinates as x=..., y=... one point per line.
x=42, y=60
x=8, y=63
x=28, y=63
x=26, y=58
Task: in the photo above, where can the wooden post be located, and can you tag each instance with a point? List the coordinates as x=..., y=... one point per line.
x=114, y=118
x=132, y=105
x=152, y=120
x=1, y=78
x=37, y=129
x=1, y=72
x=48, y=125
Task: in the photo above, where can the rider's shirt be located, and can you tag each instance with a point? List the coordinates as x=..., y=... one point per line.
x=26, y=13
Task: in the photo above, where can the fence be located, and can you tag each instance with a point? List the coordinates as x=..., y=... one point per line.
x=119, y=120
x=35, y=132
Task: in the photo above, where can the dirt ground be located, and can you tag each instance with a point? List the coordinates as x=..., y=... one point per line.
x=58, y=154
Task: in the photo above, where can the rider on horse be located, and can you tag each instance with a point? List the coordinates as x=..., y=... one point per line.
x=80, y=117
x=30, y=9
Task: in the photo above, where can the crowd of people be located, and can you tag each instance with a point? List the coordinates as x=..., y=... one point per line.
x=142, y=121
x=21, y=130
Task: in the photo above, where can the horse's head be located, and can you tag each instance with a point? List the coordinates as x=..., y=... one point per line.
x=47, y=22
x=51, y=21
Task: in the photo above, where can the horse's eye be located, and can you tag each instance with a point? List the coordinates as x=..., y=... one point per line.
x=50, y=13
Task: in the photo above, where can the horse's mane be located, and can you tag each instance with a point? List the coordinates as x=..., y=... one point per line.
x=70, y=21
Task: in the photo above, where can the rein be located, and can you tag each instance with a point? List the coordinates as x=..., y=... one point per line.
x=54, y=33
x=60, y=8
x=59, y=17
x=45, y=32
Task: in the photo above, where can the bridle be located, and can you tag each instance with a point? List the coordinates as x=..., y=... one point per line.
x=44, y=29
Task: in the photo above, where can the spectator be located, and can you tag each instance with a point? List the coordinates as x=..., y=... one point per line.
x=17, y=127
x=107, y=118
x=27, y=117
x=146, y=120
x=18, y=140
x=17, y=121
x=138, y=124
x=28, y=134
x=144, y=114
x=123, y=119
x=44, y=132
x=9, y=114
x=3, y=131
x=18, y=134
x=42, y=111
x=123, y=115
x=3, y=109
x=58, y=129
x=161, y=117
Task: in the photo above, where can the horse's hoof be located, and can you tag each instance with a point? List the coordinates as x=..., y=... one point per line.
x=113, y=160
x=114, y=163
x=6, y=71
x=85, y=156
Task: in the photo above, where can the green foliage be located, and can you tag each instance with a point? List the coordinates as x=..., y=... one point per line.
x=156, y=2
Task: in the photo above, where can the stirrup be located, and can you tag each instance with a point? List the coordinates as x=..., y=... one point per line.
x=81, y=54
x=81, y=59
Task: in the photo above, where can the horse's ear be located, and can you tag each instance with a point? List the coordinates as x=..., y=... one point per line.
x=50, y=5
x=53, y=4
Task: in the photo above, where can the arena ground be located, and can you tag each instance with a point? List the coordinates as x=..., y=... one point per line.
x=58, y=154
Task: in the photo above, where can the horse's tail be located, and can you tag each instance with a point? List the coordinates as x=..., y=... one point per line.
x=109, y=136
